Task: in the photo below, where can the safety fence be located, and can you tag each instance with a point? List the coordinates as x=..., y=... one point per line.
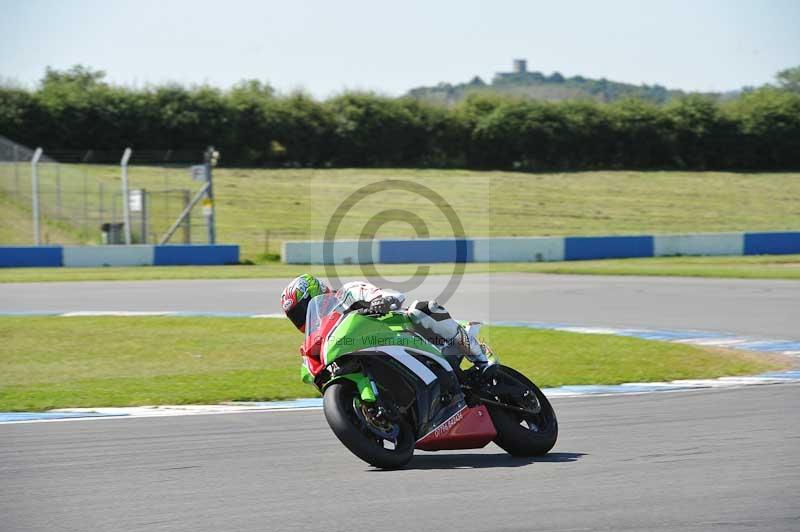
x=537, y=249
x=79, y=197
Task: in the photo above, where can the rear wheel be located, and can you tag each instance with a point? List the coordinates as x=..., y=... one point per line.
x=366, y=430
x=522, y=433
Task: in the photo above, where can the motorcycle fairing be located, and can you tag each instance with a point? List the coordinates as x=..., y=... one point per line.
x=417, y=381
x=468, y=428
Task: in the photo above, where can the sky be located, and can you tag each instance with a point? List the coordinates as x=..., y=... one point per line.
x=325, y=47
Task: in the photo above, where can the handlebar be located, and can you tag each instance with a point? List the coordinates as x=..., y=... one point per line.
x=366, y=312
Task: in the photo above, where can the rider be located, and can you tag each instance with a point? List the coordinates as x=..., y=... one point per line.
x=432, y=320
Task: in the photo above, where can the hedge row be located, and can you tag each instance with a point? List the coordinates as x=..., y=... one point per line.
x=252, y=126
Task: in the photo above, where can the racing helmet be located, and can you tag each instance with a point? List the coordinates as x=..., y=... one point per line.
x=296, y=296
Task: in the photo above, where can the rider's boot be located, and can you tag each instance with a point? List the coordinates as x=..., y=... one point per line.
x=480, y=354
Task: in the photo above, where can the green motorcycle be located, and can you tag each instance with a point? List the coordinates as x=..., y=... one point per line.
x=387, y=390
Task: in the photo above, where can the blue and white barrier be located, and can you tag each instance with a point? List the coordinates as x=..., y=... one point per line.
x=86, y=256
x=33, y=256
x=518, y=249
x=699, y=244
x=538, y=249
x=143, y=255
x=342, y=252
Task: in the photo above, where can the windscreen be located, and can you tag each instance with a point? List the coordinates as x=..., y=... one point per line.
x=318, y=309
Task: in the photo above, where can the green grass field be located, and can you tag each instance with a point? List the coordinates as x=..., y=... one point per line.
x=753, y=267
x=52, y=362
x=16, y=226
x=260, y=208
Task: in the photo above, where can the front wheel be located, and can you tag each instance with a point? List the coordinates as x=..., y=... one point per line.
x=367, y=432
x=522, y=433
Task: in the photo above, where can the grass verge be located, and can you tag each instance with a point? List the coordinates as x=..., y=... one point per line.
x=259, y=208
x=751, y=267
x=16, y=226
x=51, y=362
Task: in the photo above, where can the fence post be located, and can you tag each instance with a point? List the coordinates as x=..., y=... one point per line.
x=126, y=212
x=37, y=235
x=187, y=226
x=211, y=158
x=143, y=193
x=85, y=160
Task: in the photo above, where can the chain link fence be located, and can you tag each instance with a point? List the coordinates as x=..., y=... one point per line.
x=80, y=196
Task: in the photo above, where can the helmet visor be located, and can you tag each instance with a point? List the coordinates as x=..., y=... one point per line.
x=297, y=314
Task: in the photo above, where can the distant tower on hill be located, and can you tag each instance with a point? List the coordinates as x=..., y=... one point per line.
x=519, y=74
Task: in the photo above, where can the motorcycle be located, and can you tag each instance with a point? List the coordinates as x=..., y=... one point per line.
x=387, y=390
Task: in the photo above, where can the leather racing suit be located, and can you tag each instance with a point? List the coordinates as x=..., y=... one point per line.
x=432, y=320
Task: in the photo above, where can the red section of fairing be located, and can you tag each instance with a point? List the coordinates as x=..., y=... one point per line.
x=312, y=347
x=469, y=428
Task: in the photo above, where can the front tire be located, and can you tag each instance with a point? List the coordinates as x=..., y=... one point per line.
x=521, y=434
x=341, y=404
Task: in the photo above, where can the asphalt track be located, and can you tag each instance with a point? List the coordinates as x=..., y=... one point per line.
x=759, y=308
x=704, y=460
x=711, y=460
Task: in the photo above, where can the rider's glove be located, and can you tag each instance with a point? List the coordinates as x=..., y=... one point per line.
x=382, y=305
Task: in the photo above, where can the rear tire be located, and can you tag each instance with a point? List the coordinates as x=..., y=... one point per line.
x=521, y=434
x=353, y=432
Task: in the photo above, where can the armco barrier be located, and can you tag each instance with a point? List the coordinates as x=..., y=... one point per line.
x=698, y=244
x=518, y=249
x=771, y=243
x=144, y=255
x=426, y=251
x=607, y=247
x=342, y=252
x=33, y=256
x=86, y=256
x=535, y=249
x=194, y=254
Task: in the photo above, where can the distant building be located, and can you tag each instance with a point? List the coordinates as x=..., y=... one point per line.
x=518, y=74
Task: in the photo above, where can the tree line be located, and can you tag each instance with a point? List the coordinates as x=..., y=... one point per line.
x=253, y=126
x=555, y=87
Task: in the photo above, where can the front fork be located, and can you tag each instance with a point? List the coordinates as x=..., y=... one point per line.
x=368, y=395
x=367, y=389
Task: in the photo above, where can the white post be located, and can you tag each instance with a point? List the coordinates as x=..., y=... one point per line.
x=125, y=206
x=37, y=234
